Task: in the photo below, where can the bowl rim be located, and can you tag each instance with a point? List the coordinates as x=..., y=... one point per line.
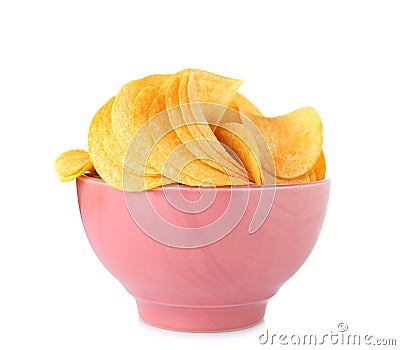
x=100, y=181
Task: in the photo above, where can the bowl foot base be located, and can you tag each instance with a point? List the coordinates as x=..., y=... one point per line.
x=201, y=319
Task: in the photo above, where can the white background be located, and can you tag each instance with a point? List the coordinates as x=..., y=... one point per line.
x=60, y=61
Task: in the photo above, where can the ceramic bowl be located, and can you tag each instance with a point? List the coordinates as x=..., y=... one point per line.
x=198, y=267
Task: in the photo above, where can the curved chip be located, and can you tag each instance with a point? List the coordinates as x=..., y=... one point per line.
x=121, y=114
x=202, y=131
x=111, y=170
x=316, y=173
x=295, y=140
x=171, y=157
x=72, y=164
x=140, y=116
x=189, y=130
x=239, y=140
x=212, y=89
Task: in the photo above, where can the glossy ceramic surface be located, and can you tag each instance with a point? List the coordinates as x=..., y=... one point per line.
x=219, y=286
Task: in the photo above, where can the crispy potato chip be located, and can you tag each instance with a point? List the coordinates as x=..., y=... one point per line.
x=177, y=122
x=173, y=159
x=238, y=138
x=209, y=87
x=212, y=89
x=156, y=158
x=140, y=115
x=189, y=131
x=295, y=140
x=191, y=171
x=141, y=106
x=122, y=119
x=316, y=173
x=111, y=170
x=72, y=164
x=111, y=146
x=105, y=166
x=156, y=153
x=108, y=138
x=201, y=130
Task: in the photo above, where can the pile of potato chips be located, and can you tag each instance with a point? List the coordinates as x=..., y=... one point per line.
x=194, y=128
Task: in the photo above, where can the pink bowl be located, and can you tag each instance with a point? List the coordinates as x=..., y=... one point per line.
x=222, y=284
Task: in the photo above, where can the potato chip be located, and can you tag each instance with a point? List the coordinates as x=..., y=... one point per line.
x=122, y=119
x=141, y=107
x=212, y=89
x=157, y=159
x=106, y=135
x=173, y=159
x=201, y=130
x=167, y=142
x=316, y=173
x=238, y=138
x=105, y=166
x=140, y=116
x=72, y=164
x=295, y=140
x=177, y=121
x=111, y=170
x=111, y=146
x=190, y=130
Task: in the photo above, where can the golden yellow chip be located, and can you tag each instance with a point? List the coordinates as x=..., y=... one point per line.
x=72, y=164
x=190, y=130
x=202, y=131
x=163, y=140
x=173, y=159
x=212, y=89
x=141, y=107
x=109, y=142
x=105, y=134
x=316, y=173
x=140, y=116
x=112, y=170
x=295, y=141
x=239, y=140
x=122, y=118
x=159, y=126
